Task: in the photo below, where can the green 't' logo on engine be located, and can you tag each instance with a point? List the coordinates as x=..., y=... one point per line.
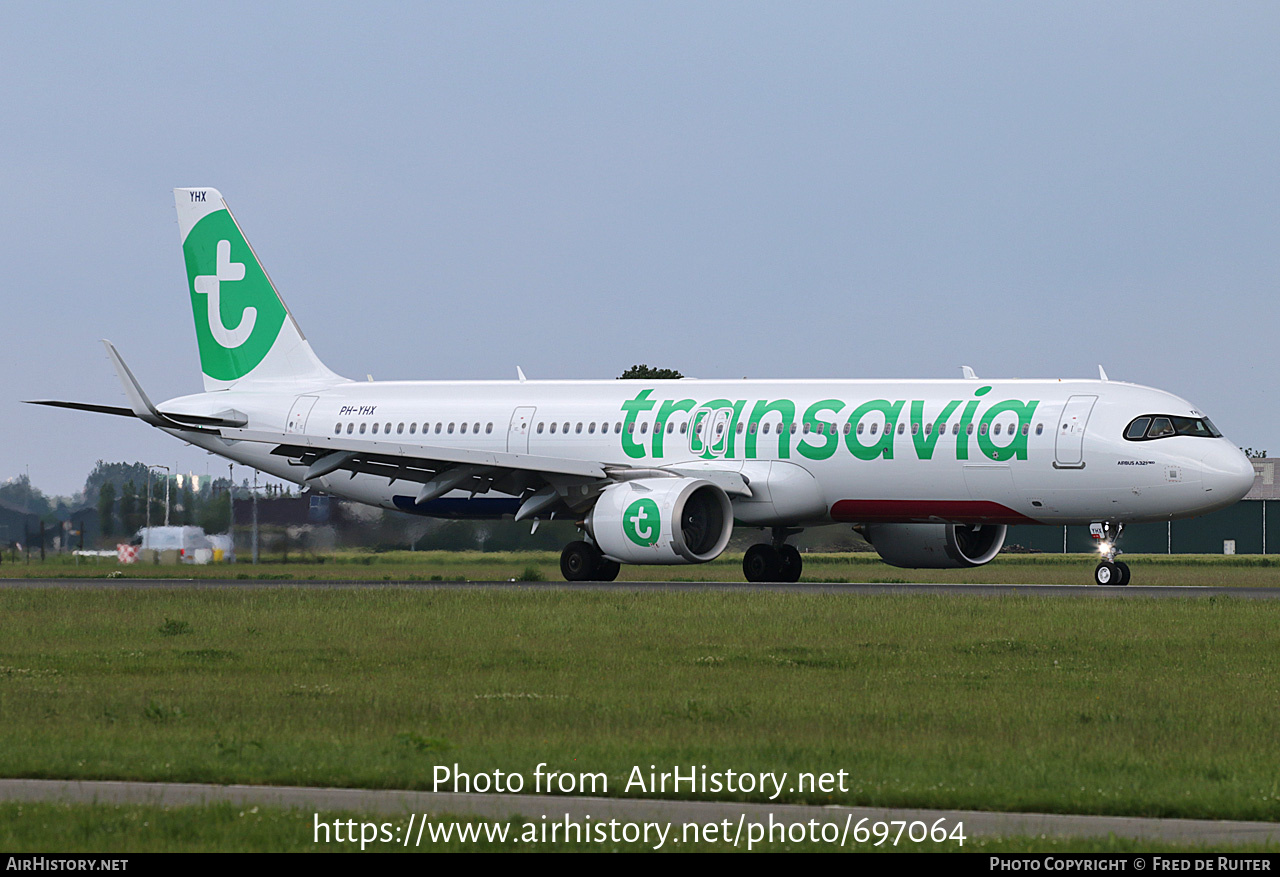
x=641, y=522
x=237, y=312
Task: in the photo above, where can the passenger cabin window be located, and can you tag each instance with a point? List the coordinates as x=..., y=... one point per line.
x=413, y=428
x=488, y=428
x=1156, y=426
x=337, y=428
x=362, y=428
x=350, y=426
x=375, y=429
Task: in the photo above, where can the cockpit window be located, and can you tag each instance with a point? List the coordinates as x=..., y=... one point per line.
x=1138, y=428
x=1154, y=426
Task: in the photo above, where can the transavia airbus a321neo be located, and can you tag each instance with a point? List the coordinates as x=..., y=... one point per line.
x=931, y=472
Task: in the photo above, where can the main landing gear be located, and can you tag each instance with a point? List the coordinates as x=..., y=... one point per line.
x=1109, y=572
x=583, y=562
x=775, y=562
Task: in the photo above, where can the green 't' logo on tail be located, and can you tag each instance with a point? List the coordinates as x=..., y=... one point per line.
x=238, y=314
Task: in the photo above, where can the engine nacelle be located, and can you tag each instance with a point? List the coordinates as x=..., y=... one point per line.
x=662, y=520
x=936, y=546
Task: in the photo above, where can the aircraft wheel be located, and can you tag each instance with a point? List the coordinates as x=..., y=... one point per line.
x=791, y=563
x=608, y=570
x=1123, y=569
x=761, y=564
x=580, y=562
x=1107, y=574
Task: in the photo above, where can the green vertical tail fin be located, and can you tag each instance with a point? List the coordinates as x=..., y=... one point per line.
x=244, y=329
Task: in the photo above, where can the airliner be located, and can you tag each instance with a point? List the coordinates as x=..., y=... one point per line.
x=930, y=472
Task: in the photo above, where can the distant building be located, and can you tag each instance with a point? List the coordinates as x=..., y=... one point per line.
x=17, y=526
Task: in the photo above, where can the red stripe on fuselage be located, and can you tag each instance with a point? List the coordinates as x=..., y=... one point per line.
x=925, y=511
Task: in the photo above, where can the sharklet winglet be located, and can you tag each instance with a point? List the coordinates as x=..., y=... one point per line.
x=138, y=400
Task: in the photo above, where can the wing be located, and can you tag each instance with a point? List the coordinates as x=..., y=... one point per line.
x=541, y=481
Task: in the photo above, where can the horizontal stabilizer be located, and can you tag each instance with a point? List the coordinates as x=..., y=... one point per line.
x=84, y=406
x=225, y=418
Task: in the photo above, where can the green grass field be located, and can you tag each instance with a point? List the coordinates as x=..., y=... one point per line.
x=1033, y=569
x=1135, y=707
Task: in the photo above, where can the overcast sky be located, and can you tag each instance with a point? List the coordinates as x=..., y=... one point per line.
x=730, y=189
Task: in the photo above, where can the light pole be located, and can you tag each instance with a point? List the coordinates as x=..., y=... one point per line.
x=167, y=472
x=255, y=516
x=231, y=508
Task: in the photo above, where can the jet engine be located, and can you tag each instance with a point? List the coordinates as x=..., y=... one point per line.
x=936, y=546
x=661, y=521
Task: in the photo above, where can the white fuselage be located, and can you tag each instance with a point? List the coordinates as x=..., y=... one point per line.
x=813, y=452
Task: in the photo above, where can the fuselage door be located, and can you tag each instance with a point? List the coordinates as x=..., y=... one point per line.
x=709, y=432
x=1069, y=444
x=518, y=434
x=298, y=414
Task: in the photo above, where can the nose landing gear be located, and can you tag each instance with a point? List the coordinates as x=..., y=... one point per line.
x=1109, y=572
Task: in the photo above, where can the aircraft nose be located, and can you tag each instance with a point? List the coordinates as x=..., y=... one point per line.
x=1226, y=472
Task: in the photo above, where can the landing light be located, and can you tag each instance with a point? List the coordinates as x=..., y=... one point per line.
x=1104, y=547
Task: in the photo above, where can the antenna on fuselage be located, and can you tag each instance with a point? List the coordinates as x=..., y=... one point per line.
x=969, y=374
x=1102, y=373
